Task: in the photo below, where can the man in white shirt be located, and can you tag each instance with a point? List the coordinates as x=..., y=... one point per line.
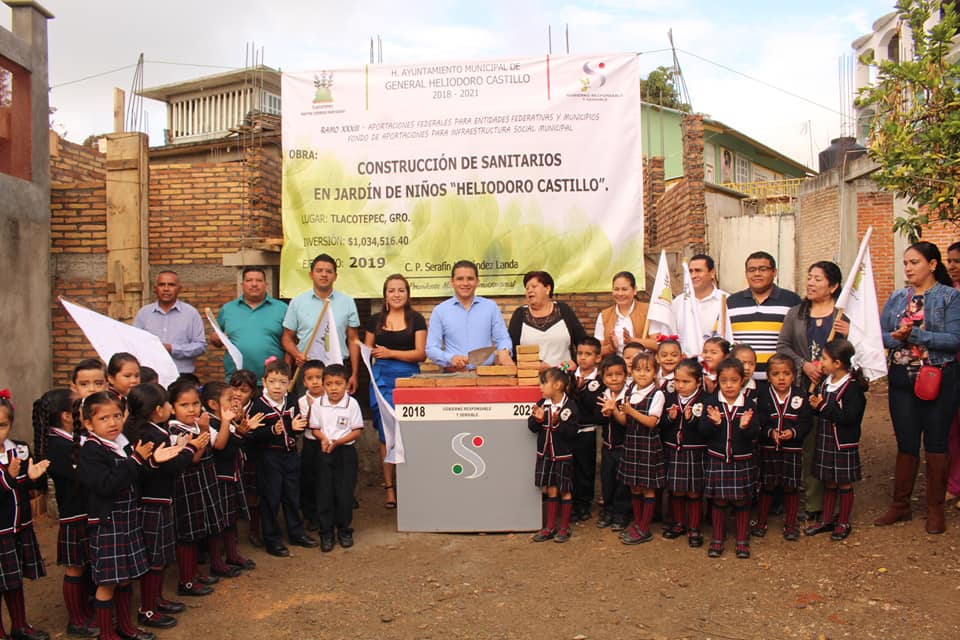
x=709, y=300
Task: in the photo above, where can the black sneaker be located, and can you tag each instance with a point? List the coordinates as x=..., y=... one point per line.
x=543, y=535
x=327, y=542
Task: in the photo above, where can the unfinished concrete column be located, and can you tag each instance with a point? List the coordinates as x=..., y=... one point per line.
x=127, y=217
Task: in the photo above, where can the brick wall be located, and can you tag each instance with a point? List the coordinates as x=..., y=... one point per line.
x=676, y=216
x=875, y=208
x=818, y=237
x=78, y=222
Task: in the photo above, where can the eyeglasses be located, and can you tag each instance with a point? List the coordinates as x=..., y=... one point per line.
x=759, y=269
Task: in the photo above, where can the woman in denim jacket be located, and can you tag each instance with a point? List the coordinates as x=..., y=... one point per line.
x=921, y=325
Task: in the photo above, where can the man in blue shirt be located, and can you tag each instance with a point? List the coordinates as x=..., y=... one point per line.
x=466, y=322
x=176, y=323
x=253, y=322
x=304, y=311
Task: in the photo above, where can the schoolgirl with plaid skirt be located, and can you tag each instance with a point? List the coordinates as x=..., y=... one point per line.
x=684, y=448
x=19, y=552
x=58, y=441
x=228, y=460
x=148, y=411
x=730, y=427
x=841, y=403
x=642, y=468
x=788, y=417
x=110, y=476
x=555, y=421
x=196, y=504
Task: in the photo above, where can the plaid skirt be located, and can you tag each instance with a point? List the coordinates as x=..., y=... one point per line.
x=642, y=464
x=117, y=553
x=685, y=470
x=72, y=544
x=196, y=504
x=233, y=501
x=19, y=558
x=551, y=472
x=728, y=480
x=832, y=464
x=781, y=468
x=156, y=520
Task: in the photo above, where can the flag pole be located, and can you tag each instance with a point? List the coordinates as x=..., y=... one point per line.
x=313, y=335
x=847, y=288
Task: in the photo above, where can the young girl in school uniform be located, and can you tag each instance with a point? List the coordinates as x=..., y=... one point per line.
x=54, y=432
x=196, y=505
x=148, y=412
x=684, y=448
x=226, y=432
x=786, y=411
x=715, y=349
x=123, y=374
x=642, y=466
x=730, y=426
x=841, y=402
x=669, y=356
x=555, y=421
x=109, y=475
x=19, y=551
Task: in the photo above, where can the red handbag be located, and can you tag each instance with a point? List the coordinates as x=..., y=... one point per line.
x=927, y=384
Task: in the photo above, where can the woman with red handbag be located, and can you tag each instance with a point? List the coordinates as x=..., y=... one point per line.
x=921, y=329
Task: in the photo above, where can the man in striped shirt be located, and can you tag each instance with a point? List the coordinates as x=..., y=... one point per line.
x=756, y=313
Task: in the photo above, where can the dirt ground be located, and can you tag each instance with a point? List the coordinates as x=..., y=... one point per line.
x=895, y=582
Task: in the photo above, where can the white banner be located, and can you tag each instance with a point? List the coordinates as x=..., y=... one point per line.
x=516, y=164
x=660, y=313
x=108, y=336
x=391, y=434
x=231, y=348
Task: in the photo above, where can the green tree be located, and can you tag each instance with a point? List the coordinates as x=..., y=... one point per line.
x=915, y=127
x=658, y=88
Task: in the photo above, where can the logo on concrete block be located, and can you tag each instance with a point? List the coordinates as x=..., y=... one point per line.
x=467, y=455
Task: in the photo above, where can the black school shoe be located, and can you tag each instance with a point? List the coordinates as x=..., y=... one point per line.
x=327, y=542
x=715, y=550
x=792, y=534
x=543, y=535
x=345, y=538
x=619, y=523
x=141, y=634
x=227, y=571
x=840, y=532
x=208, y=580
x=29, y=633
x=743, y=549
x=155, y=619
x=674, y=531
x=605, y=520
x=819, y=527
x=170, y=606
x=193, y=589
x=278, y=550
x=694, y=539
x=86, y=630
x=758, y=530
x=303, y=540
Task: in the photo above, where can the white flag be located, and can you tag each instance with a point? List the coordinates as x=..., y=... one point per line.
x=229, y=346
x=858, y=300
x=109, y=336
x=688, y=324
x=660, y=313
x=391, y=434
x=326, y=342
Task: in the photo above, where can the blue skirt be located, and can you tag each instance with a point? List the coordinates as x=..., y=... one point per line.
x=385, y=374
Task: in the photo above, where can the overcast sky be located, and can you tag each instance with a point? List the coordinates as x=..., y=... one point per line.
x=794, y=46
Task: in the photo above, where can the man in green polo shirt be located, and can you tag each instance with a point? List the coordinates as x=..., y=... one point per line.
x=253, y=322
